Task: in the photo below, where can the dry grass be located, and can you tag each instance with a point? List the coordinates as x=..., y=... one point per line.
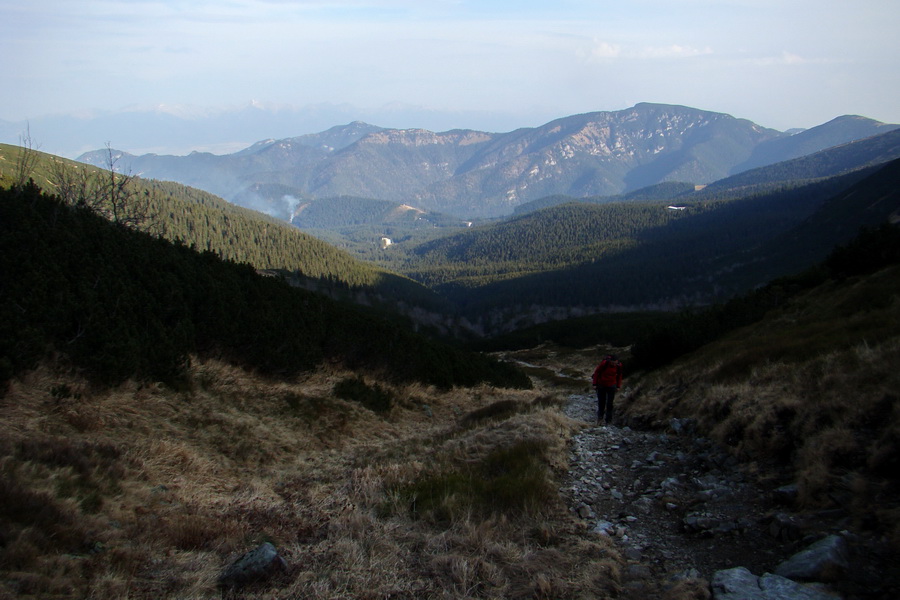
x=147, y=492
x=832, y=420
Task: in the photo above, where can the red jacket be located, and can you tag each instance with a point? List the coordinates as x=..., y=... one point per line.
x=608, y=374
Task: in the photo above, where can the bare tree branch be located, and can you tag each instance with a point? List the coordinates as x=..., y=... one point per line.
x=71, y=183
x=26, y=160
x=109, y=193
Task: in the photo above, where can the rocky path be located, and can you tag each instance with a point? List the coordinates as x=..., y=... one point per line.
x=676, y=507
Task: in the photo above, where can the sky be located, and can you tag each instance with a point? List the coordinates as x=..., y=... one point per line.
x=779, y=63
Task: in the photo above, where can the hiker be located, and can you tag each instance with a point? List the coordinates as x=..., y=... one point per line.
x=607, y=378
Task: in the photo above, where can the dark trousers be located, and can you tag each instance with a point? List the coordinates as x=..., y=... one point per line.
x=605, y=396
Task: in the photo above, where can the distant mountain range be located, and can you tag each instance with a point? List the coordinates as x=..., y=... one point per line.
x=472, y=174
x=179, y=129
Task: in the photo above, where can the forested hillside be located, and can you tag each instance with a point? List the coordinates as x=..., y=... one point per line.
x=669, y=190
x=207, y=223
x=801, y=175
x=117, y=303
x=867, y=203
x=357, y=225
x=605, y=254
x=577, y=258
x=840, y=159
x=836, y=132
x=547, y=240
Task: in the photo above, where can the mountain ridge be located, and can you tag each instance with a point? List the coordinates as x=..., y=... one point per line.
x=468, y=173
x=836, y=132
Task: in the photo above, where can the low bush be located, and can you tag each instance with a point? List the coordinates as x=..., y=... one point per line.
x=374, y=397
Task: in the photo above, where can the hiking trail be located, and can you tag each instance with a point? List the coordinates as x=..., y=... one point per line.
x=679, y=508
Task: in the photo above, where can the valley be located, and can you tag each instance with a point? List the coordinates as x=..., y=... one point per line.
x=554, y=257
x=184, y=380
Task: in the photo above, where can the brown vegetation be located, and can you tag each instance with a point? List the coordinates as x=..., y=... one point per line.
x=811, y=394
x=148, y=492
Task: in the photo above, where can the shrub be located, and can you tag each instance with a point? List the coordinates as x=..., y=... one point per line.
x=374, y=397
x=34, y=523
x=515, y=478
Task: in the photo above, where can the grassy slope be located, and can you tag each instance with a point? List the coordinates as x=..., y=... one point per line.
x=145, y=492
x=811, y=392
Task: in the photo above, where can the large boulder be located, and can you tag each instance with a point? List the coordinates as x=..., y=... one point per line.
x=257, y=565
x=826, y=560
x=740, y=584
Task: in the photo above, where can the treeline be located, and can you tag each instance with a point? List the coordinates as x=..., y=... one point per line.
x=668, y=190
x=117, y=303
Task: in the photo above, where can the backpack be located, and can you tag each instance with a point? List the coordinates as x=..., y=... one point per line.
x=609, y=363
x=606, y=364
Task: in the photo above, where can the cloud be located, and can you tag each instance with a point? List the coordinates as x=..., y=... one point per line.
x=672, y=51
x=785, y=59
x=601, y=51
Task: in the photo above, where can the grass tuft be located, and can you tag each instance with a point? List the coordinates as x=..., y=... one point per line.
x=509, y=480
x=496, y=411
